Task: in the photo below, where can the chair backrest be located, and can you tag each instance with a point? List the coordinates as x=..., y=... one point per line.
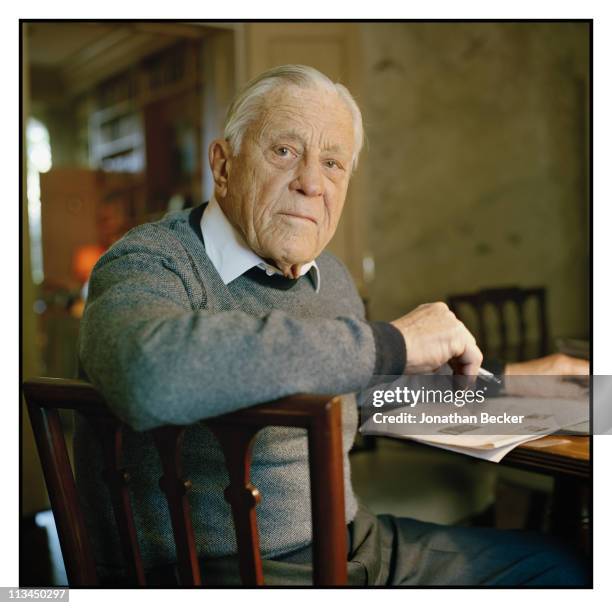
x=498, y=300
x=319, y=415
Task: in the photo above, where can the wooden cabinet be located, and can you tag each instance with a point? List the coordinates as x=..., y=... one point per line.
x=69, y=200
x=148, y=125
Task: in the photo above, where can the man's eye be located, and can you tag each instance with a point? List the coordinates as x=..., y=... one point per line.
x=282, y=151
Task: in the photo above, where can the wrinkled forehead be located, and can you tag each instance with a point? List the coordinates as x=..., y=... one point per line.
x=314, y=115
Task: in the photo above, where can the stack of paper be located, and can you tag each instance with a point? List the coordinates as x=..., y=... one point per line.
x=492, y=442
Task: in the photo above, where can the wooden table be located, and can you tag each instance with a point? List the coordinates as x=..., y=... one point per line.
x=554, y=454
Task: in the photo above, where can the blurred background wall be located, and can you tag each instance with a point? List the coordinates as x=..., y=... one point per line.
x=475, y=172
x=478, y=162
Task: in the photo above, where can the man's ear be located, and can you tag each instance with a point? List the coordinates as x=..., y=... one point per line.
x=219, y=158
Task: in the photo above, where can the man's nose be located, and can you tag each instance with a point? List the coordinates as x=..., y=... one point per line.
x=309, y=180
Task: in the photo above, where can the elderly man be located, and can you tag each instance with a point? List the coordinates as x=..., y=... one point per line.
x=233, y=303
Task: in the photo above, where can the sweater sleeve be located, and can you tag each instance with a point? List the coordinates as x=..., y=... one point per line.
x=158, y=359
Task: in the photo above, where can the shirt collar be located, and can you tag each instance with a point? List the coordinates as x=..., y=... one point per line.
x=229, y=253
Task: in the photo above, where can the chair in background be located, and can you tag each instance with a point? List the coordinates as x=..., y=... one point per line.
x=500, y=300
x=498, y=340
x=319, y=415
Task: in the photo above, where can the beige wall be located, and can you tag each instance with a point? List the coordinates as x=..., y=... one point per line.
x=477, y=162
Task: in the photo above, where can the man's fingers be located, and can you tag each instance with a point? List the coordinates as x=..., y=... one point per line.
x=470, y=360
x=434, y=336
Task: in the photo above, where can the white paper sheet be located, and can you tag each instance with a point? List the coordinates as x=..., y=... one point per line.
x=542, y=416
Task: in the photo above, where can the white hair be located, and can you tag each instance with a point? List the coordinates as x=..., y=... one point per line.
x=247, y=105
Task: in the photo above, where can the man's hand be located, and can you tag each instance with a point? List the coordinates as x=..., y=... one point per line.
x=551, y=376
x=556, y=364
x=434, y=336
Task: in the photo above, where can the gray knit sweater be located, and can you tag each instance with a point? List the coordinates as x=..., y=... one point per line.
x=167, y=342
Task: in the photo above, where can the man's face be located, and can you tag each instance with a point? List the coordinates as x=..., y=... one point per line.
x=286, y=188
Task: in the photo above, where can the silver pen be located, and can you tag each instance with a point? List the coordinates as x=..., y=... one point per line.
x=488, y=376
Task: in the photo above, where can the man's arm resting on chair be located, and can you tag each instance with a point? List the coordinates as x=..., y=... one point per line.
x=158, y=359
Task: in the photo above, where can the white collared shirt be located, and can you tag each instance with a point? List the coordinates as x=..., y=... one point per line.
x=228, y=251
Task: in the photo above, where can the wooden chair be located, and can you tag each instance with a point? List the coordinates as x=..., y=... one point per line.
x=509, y=348
x=319, y=415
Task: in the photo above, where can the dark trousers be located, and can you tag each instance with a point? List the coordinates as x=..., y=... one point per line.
x=397, y=551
